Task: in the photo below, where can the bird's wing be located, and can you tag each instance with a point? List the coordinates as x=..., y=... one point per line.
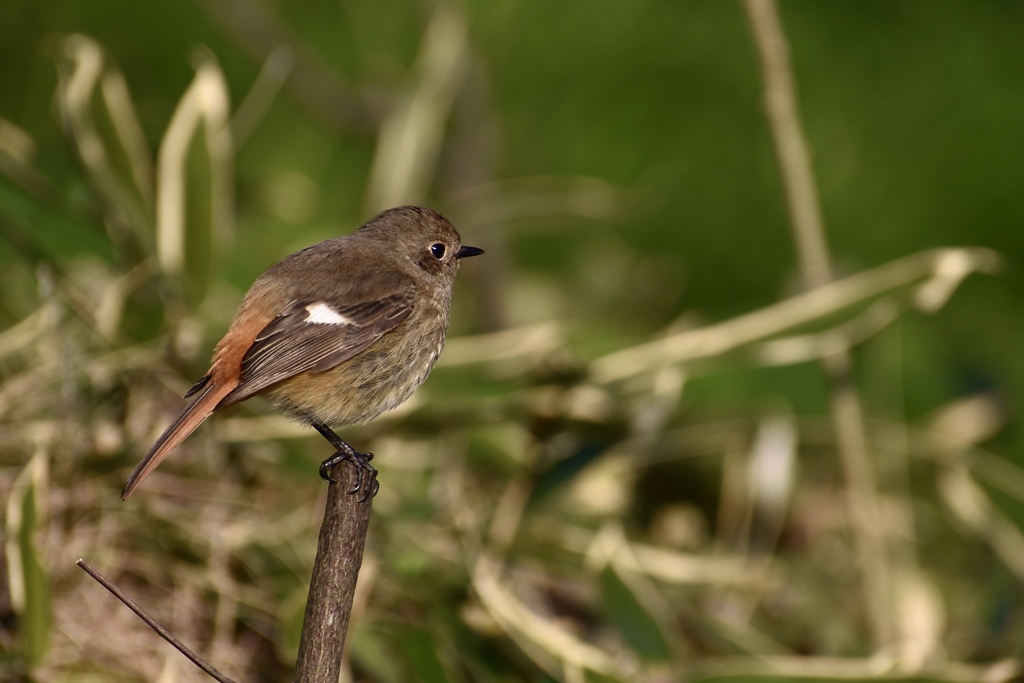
x=315, y=336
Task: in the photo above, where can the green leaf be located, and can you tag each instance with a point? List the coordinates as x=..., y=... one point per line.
x=420, y=650
x=368, y=648
x=627, y=613
x=29, y=584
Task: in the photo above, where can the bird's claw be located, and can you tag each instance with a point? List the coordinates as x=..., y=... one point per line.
x=361, y=461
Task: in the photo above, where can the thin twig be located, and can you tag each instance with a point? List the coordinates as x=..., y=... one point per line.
x=312, y=82
x=332, y=588
x=142, y=614
x=794, y=162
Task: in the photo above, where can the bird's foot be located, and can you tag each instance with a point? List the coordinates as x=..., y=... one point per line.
x=345, y=452
x=366, y=474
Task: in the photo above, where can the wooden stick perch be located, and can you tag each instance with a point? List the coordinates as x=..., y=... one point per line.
x=332, y=588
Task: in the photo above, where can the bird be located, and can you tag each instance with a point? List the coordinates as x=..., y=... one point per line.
x=334, y=334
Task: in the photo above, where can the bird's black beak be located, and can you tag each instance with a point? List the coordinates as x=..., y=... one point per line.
x=466, y=252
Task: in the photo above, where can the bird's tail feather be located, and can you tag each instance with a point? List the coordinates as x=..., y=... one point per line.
x=212, y=394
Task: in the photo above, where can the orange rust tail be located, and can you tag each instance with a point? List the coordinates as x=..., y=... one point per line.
x=186, y=423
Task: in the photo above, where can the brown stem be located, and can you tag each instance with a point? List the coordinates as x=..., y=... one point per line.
x=333, y=585
x=808, y=226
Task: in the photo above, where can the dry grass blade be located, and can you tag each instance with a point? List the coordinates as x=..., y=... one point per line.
x=23, y=334
x=544, y=640
x=818, y=303
x=671, y=567
x=809, y=347
x=531, y=342
x=97, y=111
x=259, y=31
x=276, y=68
x=921, y=618
x=539, y=197
x=879, y=668
x=412, y=135
x=17, y=153
x=975, y=510
x=201, y=116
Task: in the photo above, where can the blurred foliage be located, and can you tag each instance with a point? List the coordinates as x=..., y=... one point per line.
x=621, y=469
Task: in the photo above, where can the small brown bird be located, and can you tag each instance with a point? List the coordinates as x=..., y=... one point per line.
x=334, y=334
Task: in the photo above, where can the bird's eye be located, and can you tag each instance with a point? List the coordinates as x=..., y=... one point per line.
x=437, y=250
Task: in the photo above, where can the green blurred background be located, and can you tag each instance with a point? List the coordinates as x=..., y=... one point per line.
x=615, y=163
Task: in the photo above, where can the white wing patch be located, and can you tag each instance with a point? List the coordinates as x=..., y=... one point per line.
x=322, y=314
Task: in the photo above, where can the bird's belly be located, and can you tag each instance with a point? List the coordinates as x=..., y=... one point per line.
x=380, y=378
